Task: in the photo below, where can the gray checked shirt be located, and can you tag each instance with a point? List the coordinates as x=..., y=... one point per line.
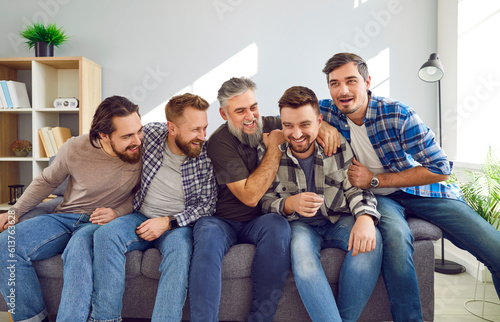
x=332, y=184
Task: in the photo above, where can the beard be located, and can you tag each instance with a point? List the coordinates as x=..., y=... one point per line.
x=187, y=147
x=252, y=140
x=354, y=109
x=303, y=149
x=126, y=157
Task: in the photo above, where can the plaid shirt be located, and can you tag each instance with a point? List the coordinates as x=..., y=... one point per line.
x=401, y=141
x=198, y=179
x=330, y=177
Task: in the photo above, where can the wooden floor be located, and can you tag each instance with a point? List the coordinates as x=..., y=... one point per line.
x=451, y=291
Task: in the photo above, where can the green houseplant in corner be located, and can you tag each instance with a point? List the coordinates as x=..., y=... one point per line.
x=43, y=38
x=482, y=189
x=482, y=192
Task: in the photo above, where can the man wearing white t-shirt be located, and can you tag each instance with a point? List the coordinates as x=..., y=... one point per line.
x=399, y=160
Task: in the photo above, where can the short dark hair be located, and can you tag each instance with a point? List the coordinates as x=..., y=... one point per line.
x=177, y=104
x=341, y=59
x=234, y=87
x=103, y=117
x=298, y=96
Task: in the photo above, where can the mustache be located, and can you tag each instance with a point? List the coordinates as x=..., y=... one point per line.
x=131, y=147
x=197, y=141
x=250, y=121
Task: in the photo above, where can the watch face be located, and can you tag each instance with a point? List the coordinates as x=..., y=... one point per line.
x=374, y=183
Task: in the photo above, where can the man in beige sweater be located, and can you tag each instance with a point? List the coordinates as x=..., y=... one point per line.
x=104, y=171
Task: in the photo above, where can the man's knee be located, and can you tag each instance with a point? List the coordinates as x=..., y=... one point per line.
x=207, y=226
x=277, y=225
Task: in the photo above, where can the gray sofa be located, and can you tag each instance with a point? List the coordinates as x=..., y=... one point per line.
x=142, y=275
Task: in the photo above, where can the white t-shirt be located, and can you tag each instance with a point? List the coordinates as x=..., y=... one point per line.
x=365, y=153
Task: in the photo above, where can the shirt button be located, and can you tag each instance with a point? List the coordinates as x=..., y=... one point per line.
x=303, y=190
x=284, y=188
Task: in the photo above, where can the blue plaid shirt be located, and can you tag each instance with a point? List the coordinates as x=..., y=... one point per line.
x=401, y=141
x=198, y=179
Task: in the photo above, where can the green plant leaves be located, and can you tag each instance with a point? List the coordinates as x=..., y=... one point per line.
x=39, y=32
x=482, y=192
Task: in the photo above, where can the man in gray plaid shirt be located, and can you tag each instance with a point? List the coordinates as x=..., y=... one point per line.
x=312, y=191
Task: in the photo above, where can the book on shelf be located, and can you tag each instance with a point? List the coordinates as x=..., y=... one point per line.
x=18, y=94
x=5, y=94
x=3, y=101
x=45, y=151
x=61, y=135
x=15, y=95
x=52, y=138
x=51, y=149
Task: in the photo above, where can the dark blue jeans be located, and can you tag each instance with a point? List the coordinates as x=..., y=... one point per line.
x=212, y=238
x=459, y=223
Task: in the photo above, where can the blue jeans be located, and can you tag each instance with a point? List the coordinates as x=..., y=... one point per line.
x=213, y=236
x=459, y=223
x=118, y=237
x=39, y=238
x=358, y=274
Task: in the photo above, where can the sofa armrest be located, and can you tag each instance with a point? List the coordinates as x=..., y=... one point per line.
x=42, y=208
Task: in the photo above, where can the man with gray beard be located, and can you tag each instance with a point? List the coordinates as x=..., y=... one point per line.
x=242, y=182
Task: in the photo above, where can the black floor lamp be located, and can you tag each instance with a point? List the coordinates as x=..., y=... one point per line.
x=432, y=71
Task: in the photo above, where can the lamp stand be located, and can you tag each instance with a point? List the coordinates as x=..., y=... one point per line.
x=441, y=265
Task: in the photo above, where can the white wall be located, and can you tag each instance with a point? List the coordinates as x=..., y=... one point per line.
x=151, y=50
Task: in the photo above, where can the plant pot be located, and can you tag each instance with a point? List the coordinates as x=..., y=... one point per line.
x=21, y=153
x=44, y=49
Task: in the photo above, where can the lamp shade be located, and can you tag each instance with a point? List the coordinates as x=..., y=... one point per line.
x=432, y=70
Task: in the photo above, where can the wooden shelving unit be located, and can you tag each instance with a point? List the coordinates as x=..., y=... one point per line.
x=47, y=78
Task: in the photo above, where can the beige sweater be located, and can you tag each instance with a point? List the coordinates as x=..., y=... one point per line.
x=96, y=180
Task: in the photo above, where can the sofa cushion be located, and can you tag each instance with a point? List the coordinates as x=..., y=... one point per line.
x=239, y=259
x=50, y=267
x=133, y=263
x=422, y=229
x=151, y=263
x=331, y=263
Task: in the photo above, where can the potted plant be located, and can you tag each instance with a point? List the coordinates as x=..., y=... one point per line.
x=482, y=190
x=43, y=38
x=21, y=147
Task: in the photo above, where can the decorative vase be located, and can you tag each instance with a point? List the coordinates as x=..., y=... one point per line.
x=44, y=49
x=21, y=153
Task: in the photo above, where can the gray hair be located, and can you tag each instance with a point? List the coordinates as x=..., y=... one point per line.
x=234, y=87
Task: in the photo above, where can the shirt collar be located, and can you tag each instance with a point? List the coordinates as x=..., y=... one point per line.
x=371, y=110
x=284, y=148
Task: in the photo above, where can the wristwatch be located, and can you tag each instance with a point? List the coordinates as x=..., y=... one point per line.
x=173, y=222
x=374, y=181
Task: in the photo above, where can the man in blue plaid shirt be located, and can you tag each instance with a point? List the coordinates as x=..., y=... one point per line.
x=174, y=156
x=398, y=158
